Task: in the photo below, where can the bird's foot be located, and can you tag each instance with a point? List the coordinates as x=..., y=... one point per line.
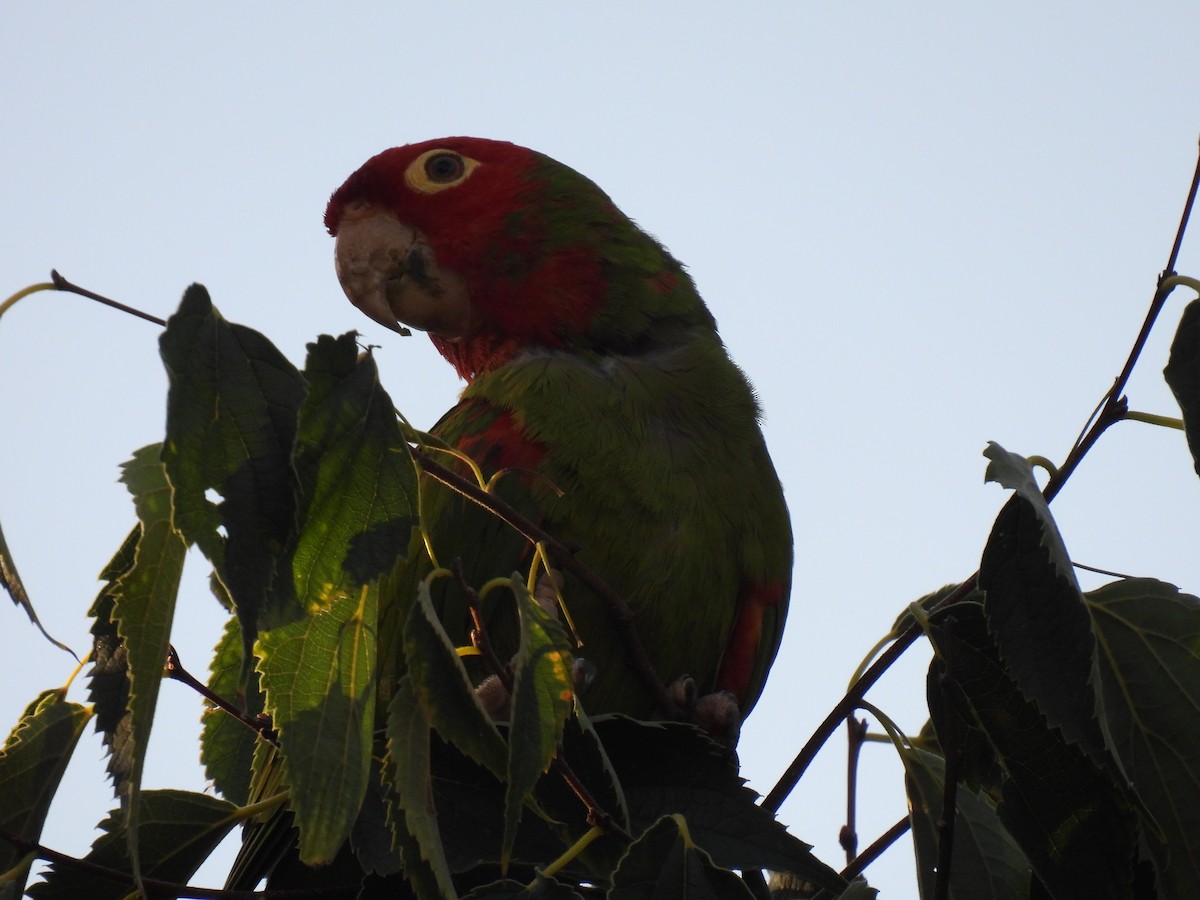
x=717, y=713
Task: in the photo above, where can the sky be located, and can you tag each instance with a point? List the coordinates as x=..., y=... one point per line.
x=921, y=227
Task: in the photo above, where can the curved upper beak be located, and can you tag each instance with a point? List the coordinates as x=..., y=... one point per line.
x=390, y=273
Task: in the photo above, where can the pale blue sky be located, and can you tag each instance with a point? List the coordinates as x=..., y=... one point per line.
x=921, y=227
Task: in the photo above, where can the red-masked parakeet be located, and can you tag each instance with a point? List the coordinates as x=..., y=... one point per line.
x=594, y=374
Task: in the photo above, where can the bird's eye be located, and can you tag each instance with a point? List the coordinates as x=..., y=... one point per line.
x=444, y=168
x=437, y=170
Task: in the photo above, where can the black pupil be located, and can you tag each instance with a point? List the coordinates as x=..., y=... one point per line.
x=444, y=167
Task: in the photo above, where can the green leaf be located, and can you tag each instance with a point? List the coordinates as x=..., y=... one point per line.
x=319, y=678
x=1035, y=611
x=664, y=864
x=987, y=863
x=408, y=767
x=32, y=763
x=177, y=831
x=673, y=767
x=108, y=679
x=226, y=744
x=10, y=580
x=444, y=689
x=232, y=413
x=143, y=610
x=358, y=483
x=543, y=696
x=1183, y=375
x=1068, y=814
x=1149, y=636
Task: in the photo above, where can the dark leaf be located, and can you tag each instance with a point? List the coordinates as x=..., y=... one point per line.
x=665, y=864
x=1183, y=375
x=1068, y=814
x=108, y=678
x=408, y=771
x=1149, y=637
x=987, y=863
x=32, y=763
x=10, y=580
x=232, y=413
x=668, y=767
x=178, y=830
x=1035, y=611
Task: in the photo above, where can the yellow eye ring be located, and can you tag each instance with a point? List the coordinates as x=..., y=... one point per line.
x=438, y=169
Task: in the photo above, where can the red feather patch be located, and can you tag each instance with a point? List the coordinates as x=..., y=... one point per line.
x=743, y=653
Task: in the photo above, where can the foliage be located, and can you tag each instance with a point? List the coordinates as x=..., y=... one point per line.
x=1062, y=757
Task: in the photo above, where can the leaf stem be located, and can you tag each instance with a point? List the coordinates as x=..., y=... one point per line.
x=260, y=725
x=62, y=284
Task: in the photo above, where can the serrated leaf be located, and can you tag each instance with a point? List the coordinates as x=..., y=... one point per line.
x=143, y=610
x=108, y=679
x=1183, y=375
x=178, y=830
x=543, y=696
x=987, y=863
x=665, y=864
x=445, y=691
x=1068, y=815
x=32, y=762
x=226, y=744
x=358, y=484
x=1149, y=637
x=472, y=799
x=319, y=677
x=672, y=767
x=10, y=580
x=372, y=839
x=1036, y=614
x=232, y=419
x=408, y=767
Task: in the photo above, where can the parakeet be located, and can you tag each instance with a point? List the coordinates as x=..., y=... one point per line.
x=596, y=379
x=601, y=404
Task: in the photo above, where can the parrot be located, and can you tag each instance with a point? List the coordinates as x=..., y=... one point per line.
x=590, y=361
x=601, y=403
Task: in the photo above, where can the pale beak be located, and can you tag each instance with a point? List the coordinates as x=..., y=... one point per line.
x=390, y=273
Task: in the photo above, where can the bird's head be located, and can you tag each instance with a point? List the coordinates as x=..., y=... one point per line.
x=492, y=249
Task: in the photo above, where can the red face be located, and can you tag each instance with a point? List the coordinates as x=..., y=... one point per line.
x=414, y=226
x=489, y=247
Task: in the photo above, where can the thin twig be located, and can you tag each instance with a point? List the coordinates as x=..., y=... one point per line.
x=260, y=725
x=856, y=732
x=162, y=889
x=621, y=615
x=881, y=843
x=859, y=864
x=1112, y=410
x=479, y=636
x=62, y=284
